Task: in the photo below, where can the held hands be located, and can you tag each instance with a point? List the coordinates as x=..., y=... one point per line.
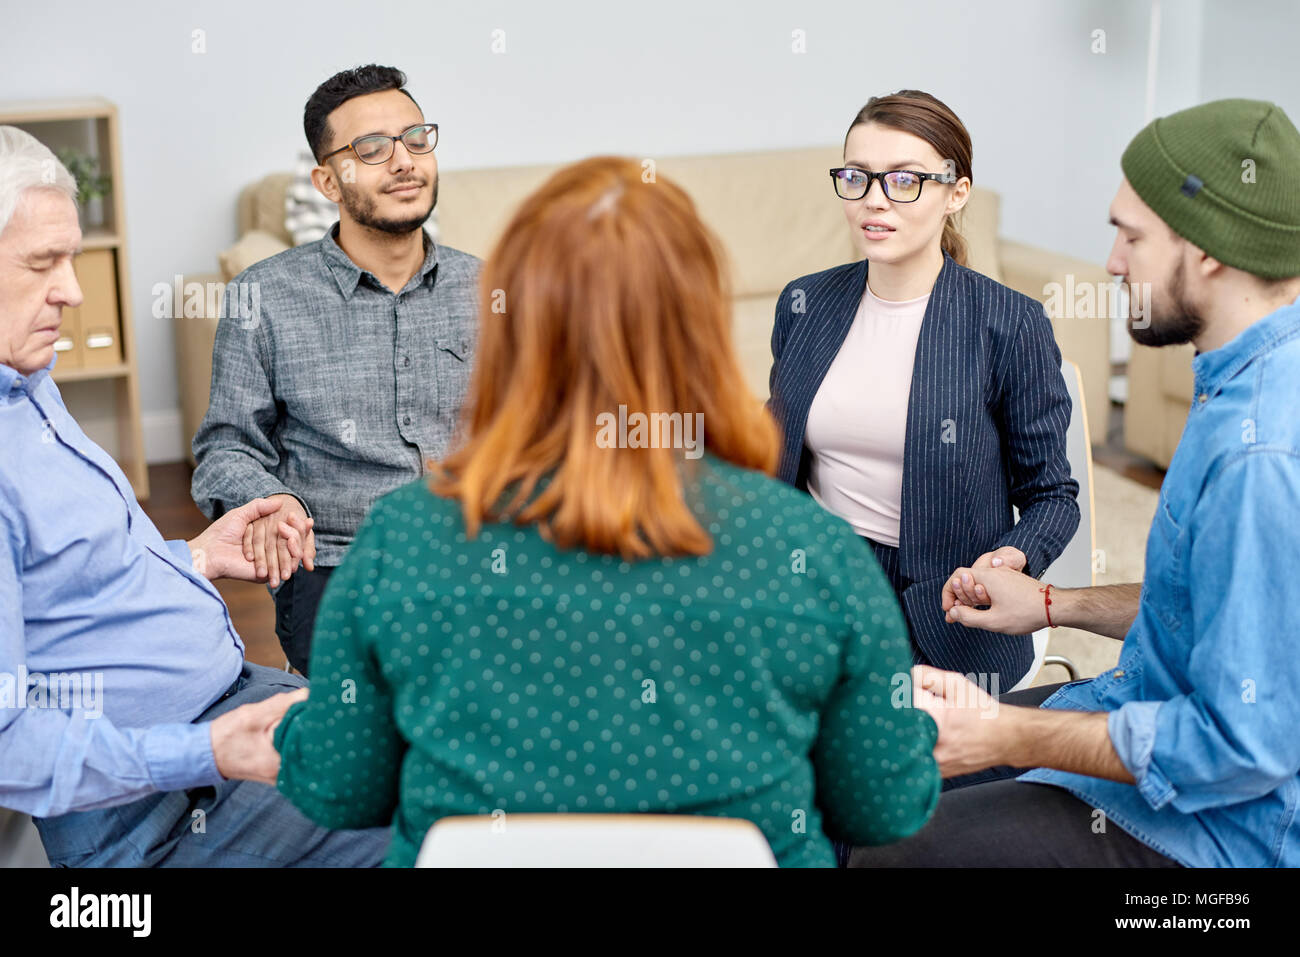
x=967, y=741
x=221, y=550
x=1008, y=556
x=996, y=599
x=275, y=543
x=242, y=739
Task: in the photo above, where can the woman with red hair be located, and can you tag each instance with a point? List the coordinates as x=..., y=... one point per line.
x=602, y=601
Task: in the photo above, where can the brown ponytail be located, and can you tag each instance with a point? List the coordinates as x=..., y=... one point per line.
x=931, y=120
x=953, y=242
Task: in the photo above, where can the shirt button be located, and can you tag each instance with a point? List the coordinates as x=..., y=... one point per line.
x=1119, y=673
x=1203, y=397
x=406, y=420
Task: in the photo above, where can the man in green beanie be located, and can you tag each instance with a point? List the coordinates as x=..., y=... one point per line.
x=1187, y=752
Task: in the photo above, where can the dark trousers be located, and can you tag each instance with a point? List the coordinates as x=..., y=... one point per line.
x=989, y=819
x=296, y=601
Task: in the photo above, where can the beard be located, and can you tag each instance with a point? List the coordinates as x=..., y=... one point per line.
x=362, y=208
x=1180, y=323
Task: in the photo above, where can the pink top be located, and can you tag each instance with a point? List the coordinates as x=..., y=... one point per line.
x=858, y=420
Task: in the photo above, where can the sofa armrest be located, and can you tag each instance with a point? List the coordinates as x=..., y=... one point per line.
x=1084, y=341
x=195, y=336
x=1160, y=386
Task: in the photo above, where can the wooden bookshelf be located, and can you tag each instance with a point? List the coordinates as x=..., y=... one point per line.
x=90, y=124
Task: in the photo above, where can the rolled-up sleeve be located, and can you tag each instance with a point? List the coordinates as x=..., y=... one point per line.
x=1132, y=730
x=1231, y=737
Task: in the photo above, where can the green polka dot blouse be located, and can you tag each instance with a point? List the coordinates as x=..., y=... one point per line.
x=765, y=680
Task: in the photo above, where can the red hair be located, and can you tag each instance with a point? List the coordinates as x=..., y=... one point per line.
x=605, y=290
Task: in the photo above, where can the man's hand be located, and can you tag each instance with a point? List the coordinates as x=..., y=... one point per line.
x=976, y=731
x=272, y=551
x=219, y=551
x=242, y=738
x=1014, y=601
x=972, y=733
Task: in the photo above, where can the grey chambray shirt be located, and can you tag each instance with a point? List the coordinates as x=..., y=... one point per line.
x=336, y=390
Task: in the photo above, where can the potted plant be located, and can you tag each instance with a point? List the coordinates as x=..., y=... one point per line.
x=92, y=185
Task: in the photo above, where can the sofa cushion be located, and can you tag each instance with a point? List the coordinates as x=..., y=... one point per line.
x=751, y=326
x=1177, y=381
x=261, y=206
x=252, y=247
x=775, y=212
x=307, y=214
x=978, y=223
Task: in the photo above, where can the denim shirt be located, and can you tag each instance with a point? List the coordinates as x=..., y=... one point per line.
x=1204, y=708
x=131, y=641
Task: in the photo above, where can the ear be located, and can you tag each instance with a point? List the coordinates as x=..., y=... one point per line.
x=1206, y=265
x=959, y=196
x=326, y=183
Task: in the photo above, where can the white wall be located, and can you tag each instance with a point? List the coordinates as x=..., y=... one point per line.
x=1049, y=117
x=1249, y=49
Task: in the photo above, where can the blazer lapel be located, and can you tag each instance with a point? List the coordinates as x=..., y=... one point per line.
x=829, y=320
x=931, y=456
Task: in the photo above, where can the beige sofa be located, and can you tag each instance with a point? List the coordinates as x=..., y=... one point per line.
x=774, y=212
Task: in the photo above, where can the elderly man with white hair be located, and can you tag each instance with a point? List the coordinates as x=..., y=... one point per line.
x=131, y=727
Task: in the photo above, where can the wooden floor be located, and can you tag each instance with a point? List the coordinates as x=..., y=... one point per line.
x=253, y=612
x=1114, y=456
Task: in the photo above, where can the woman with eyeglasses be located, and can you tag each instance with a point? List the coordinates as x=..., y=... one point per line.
x=919, y=400
x=602, y=602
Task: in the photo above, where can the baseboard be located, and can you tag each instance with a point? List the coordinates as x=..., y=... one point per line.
x=162, y=436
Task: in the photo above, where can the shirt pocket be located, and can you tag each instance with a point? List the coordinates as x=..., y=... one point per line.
x=454, y=361
x=1166, y=566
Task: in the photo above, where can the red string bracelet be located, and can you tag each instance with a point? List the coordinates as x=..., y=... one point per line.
x=1047, y=604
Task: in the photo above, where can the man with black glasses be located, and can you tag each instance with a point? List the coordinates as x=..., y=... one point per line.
x=351, y=375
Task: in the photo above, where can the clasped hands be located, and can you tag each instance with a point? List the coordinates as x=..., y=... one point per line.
x=263, y=541
x=993, y=594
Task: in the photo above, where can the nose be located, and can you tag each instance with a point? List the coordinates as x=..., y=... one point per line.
x=876, y=190
x=66, y=291
x=401, y=159
x=1116, y=264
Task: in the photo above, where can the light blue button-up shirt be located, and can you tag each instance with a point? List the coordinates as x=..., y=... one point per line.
x=1205, y=702
x=91, y=594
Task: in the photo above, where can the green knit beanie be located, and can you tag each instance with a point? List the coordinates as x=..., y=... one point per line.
x=1226, y=177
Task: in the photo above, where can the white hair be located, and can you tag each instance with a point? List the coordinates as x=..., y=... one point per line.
x=27, y=163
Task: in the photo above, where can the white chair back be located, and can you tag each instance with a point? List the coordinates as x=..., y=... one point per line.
x=1074, y=567
x=594, y=840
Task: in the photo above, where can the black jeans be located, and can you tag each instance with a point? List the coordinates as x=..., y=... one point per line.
x=989, y=819
x=296, y=601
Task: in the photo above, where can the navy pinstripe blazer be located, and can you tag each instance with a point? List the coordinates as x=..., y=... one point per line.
x=986, y=423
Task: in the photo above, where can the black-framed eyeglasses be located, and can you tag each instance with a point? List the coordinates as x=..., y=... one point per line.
x=900, y=185
x=376, y=148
